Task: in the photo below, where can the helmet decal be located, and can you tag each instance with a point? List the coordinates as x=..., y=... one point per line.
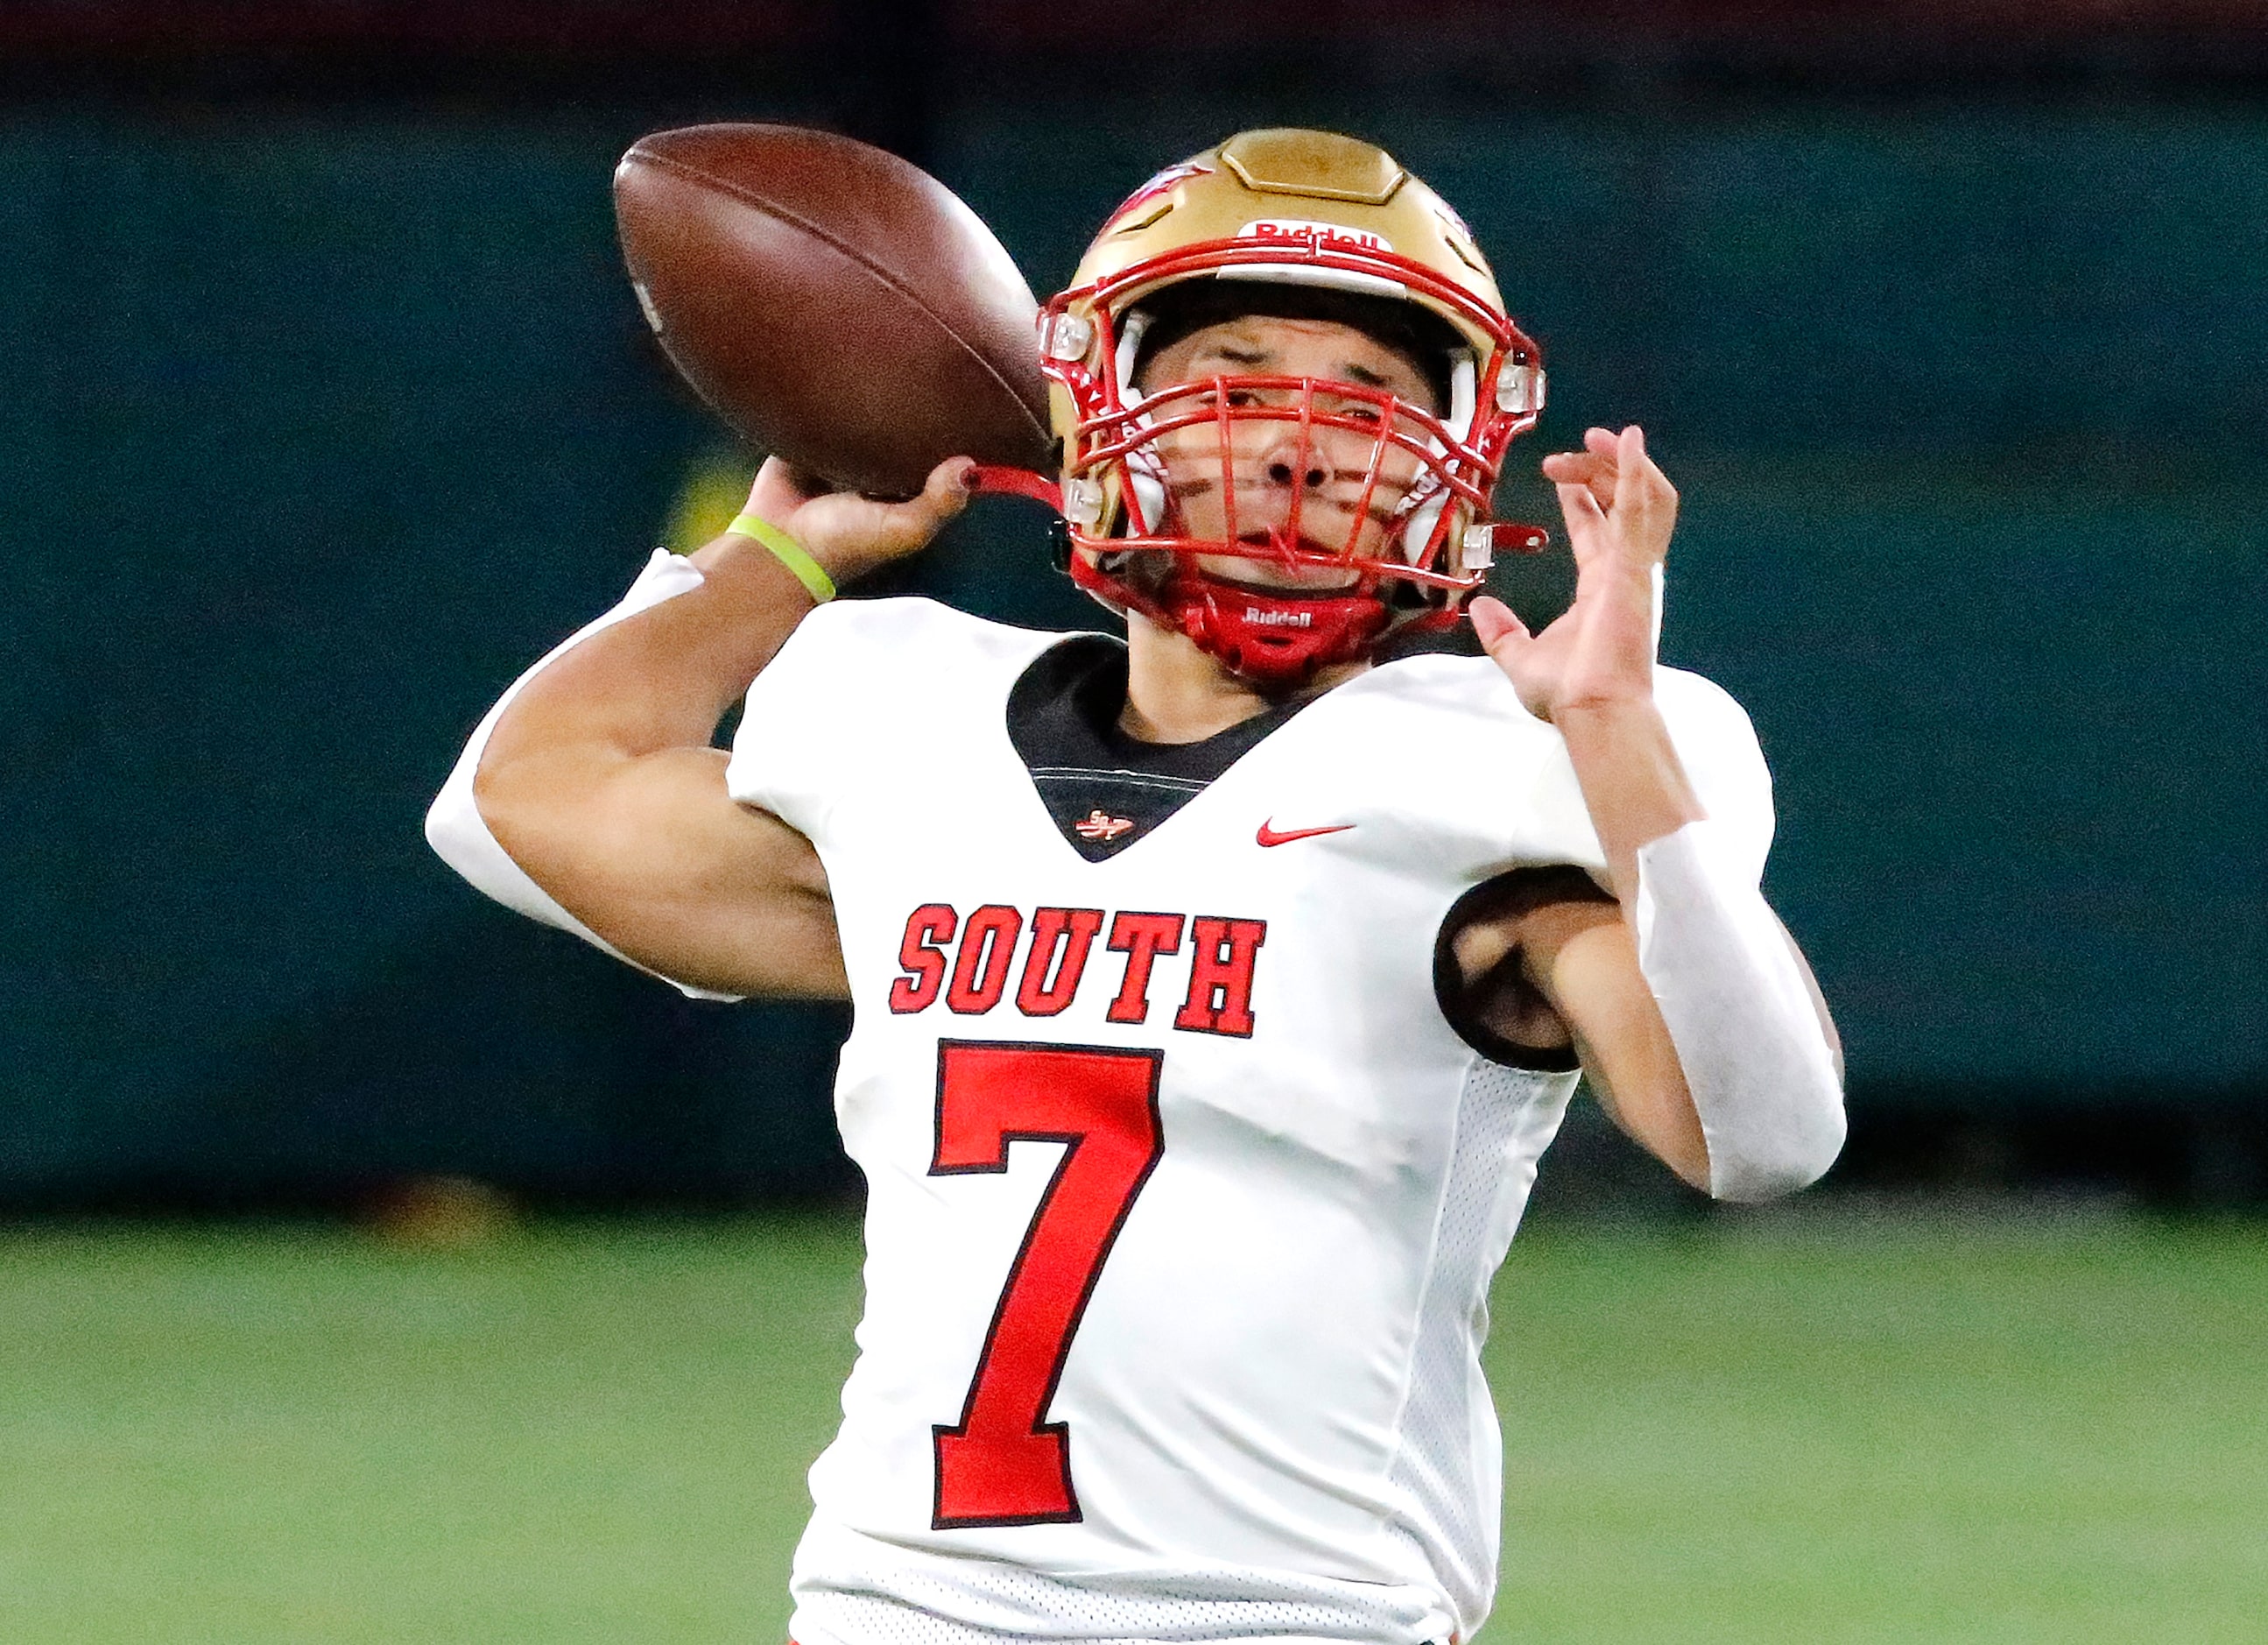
x=1157, y=188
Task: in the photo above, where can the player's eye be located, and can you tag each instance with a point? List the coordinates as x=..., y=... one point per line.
x=1212, y=399
x=1353, y=410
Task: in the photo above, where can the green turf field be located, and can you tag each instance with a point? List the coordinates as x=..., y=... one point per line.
x=1909, y=1430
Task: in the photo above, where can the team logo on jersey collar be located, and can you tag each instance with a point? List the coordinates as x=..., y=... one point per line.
x=1100, y=825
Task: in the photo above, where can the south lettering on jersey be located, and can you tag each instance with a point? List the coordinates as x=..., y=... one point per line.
x=973, y=977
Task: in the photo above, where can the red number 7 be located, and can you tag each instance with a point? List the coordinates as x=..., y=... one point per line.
x=1003, y=1464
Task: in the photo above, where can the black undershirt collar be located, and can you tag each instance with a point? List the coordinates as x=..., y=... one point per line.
x=1104, y=789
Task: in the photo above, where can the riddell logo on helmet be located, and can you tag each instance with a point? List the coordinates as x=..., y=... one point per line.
x=1279, y=619
x=1319, y=234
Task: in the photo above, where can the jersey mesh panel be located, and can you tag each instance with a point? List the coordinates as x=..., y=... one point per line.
x=1096, y=1611
x=1443, y=1430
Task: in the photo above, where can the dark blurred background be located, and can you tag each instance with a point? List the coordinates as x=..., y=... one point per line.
x=325, y=407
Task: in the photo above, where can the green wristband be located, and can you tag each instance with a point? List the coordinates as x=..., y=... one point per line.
x=789, y=553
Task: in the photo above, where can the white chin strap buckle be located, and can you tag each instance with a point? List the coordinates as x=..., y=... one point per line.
x=1082, y=503
x=1519, y=389
x=1483, y=543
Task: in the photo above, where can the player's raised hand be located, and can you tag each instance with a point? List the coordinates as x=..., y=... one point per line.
x=1620, y=510
x=851, y=534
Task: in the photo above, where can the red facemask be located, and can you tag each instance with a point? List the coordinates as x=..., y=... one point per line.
x=1341, y=508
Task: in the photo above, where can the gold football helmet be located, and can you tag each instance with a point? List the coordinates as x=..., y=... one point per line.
x=1305, y=223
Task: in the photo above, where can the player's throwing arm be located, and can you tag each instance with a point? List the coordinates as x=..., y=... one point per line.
x=591, y=799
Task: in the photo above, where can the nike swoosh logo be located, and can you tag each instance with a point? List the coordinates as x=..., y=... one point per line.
x=1268, y=836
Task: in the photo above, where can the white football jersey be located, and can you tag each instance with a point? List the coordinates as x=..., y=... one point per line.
x=1183, y=1195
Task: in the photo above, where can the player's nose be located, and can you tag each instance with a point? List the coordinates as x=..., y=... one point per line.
x=1288, y=461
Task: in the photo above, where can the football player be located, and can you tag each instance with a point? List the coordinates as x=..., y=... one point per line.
x=1216, y=992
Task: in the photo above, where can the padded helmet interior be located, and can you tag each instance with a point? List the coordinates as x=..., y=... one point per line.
x=1421, y=336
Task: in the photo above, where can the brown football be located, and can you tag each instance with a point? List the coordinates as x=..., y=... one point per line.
x=837, y=306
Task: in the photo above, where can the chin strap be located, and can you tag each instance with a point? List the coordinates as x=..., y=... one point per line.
x=1272, y=639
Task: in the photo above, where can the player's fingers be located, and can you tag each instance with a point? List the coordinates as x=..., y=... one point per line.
x=1643, y=496
x=1607, y=463
x=1629, y=463
x=945, y=492
x=779, y=490
x=943, y=495
x=1579, y=503
x=1585, y=469
x=1498, y=627
x=1586, y=520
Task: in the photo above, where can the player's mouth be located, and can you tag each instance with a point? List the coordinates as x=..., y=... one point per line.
x=1275, y=570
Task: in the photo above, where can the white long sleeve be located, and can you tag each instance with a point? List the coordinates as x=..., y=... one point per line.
x=1740, y=1013
x=459, y=835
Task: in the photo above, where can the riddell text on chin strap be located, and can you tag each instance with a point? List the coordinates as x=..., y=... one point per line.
x=1270, y=638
